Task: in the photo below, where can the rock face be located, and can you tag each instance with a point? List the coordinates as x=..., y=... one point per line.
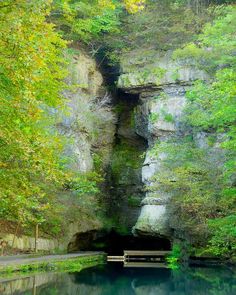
x=146, y=69
x=162, y=110
x=89, y=126
x=90, y=122
x=161, y=84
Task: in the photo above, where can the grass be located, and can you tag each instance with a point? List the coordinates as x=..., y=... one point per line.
x=66, y=265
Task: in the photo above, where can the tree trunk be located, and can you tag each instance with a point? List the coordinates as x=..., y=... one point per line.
x=36, y=237
x=14, y=237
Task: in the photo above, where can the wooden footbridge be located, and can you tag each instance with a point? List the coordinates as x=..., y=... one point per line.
x=134, y=258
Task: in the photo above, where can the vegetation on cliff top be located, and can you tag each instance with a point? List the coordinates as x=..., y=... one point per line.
x=162, y=25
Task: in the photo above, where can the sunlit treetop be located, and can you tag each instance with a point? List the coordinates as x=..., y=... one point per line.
x=134, y=6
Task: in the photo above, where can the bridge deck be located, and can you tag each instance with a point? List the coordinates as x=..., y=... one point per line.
x=145, y=253
x=140, y=257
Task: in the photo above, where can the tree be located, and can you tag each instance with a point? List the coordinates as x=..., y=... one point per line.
x=31, y=76
x=85, y=20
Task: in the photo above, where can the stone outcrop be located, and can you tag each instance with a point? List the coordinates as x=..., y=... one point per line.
x=147, y=69
x=163, y=112
x=89, y=123
x=89, y=126
x=161, y=84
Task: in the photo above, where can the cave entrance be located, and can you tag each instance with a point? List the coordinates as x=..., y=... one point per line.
x=124, y=189
x=114, y=243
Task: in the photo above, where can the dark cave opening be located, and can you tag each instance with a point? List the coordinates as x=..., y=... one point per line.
x=114, y=244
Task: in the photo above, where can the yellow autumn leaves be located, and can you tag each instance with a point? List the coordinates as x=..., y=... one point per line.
x=134, y=6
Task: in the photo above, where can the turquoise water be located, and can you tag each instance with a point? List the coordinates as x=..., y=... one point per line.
x=113, y=279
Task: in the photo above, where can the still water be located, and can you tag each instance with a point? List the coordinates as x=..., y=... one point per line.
x=113, y=279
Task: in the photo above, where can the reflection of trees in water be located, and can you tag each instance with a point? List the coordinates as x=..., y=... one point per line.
x=115, y=280
x=25, y=284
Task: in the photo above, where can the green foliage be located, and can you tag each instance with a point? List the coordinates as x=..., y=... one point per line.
x=188, y=175
x=85, y=183
x=154, y=117
x=215, y=45
x=202, y=205
x=223, y=241
x=213, y=105
x=84, y=20
x=31, y=76
x=69, y=265
x=33, y=169
x=167, y=116
x=133, y=201
x=161, y=25
x=126, y=158
x=174, y=258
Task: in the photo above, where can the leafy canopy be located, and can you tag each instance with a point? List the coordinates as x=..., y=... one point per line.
x=85, y=20
x=31, y=76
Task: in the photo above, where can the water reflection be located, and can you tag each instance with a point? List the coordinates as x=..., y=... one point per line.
x=113, y=279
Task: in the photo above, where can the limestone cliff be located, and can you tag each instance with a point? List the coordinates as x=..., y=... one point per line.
x=90, y=122
x=161, y=84
x=89, y=126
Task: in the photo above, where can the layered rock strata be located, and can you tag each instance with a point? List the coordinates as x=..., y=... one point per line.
x=161, y=84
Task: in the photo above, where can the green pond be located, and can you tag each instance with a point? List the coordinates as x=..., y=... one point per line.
x=114, y=279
